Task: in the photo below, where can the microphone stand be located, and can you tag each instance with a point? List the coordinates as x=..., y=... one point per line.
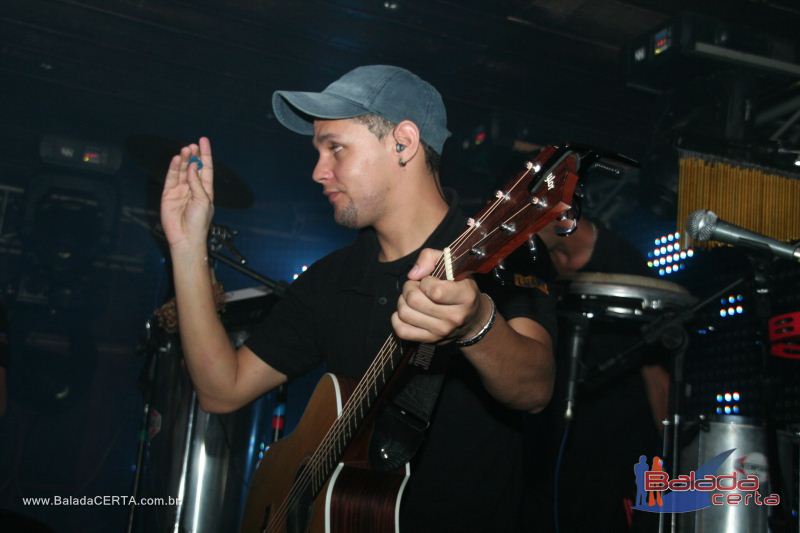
x=220, y=236
x=670, y=331
x=600, y=374
x=147, y=380
x=762, y=285
x=578, y=327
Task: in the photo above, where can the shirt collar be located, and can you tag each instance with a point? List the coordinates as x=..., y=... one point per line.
x=363, y=260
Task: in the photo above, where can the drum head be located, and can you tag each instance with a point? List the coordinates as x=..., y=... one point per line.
x=623, y=296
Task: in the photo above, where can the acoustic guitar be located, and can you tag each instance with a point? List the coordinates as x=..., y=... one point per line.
x=319, y=478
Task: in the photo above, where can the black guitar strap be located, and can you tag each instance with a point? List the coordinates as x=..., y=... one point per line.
x=400, y=428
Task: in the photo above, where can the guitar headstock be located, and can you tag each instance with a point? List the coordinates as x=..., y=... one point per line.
x=536, y=196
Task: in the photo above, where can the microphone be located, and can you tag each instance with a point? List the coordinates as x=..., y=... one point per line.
x=704, y=225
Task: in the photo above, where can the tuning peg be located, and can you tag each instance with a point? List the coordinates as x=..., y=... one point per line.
x=567, y=223
x=499, y=272
x=532, y=247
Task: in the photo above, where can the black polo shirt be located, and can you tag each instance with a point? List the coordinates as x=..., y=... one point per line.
x=467, y=476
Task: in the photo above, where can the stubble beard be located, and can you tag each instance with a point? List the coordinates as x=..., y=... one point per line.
x=372, y=207
x=347, y=216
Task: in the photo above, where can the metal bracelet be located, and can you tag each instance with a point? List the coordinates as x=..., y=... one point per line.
x=462, y=343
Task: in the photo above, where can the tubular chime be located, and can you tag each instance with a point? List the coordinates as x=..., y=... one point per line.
x=761, y=199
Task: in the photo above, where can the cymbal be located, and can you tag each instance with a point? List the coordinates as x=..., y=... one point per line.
x=154, y=153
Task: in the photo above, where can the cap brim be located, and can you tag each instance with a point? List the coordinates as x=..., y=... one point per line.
x=297, y=110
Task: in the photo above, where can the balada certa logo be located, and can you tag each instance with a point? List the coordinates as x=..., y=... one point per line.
x=701, y=488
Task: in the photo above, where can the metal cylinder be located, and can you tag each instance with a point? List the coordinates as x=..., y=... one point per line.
x=200, y=459
x=714, y=436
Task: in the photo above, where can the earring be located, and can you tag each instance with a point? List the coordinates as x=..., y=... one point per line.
x=400, y=147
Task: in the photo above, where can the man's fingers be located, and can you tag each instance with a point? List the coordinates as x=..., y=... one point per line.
x=195, y=185
x=440, y=320
x=172, y=172
x=425, y=264
x=205, y=153
x=444, y=292
x=413, y=296
x=207, y=173
x=182, y=169
x=439, y=327
x=411, y=333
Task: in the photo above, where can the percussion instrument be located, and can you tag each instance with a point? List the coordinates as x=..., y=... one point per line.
x=622, y=296
x=587, y=297
x=715, y=435
x=203, y=459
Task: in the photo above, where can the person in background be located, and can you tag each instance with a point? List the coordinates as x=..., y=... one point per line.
x=612, y=427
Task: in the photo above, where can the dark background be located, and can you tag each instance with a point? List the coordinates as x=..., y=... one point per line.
x=81, y=271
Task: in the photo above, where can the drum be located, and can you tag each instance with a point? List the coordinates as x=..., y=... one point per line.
x=622, y=296
x=714, y=436
x=204, y=459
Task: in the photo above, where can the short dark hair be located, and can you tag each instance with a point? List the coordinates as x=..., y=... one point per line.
x=380, y=127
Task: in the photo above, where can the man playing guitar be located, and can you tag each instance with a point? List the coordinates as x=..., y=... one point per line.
x=379, y=131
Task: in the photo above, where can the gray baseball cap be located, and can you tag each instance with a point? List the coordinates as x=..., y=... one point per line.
x=391, y=92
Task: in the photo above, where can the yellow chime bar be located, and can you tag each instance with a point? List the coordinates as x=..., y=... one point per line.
x=755, y=198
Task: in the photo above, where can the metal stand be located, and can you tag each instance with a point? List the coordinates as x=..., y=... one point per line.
x=149, y=373
x=762, y=274
x=678, y=342
x=579, y=326
x=219, y=236
x=578, y=329
x=651, y=333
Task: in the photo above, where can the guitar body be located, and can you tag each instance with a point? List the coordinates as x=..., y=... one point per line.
x=355, y=498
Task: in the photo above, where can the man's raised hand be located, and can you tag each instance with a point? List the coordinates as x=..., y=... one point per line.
x=187, y=201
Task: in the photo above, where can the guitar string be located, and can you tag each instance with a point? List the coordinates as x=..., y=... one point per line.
x=388, y=348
